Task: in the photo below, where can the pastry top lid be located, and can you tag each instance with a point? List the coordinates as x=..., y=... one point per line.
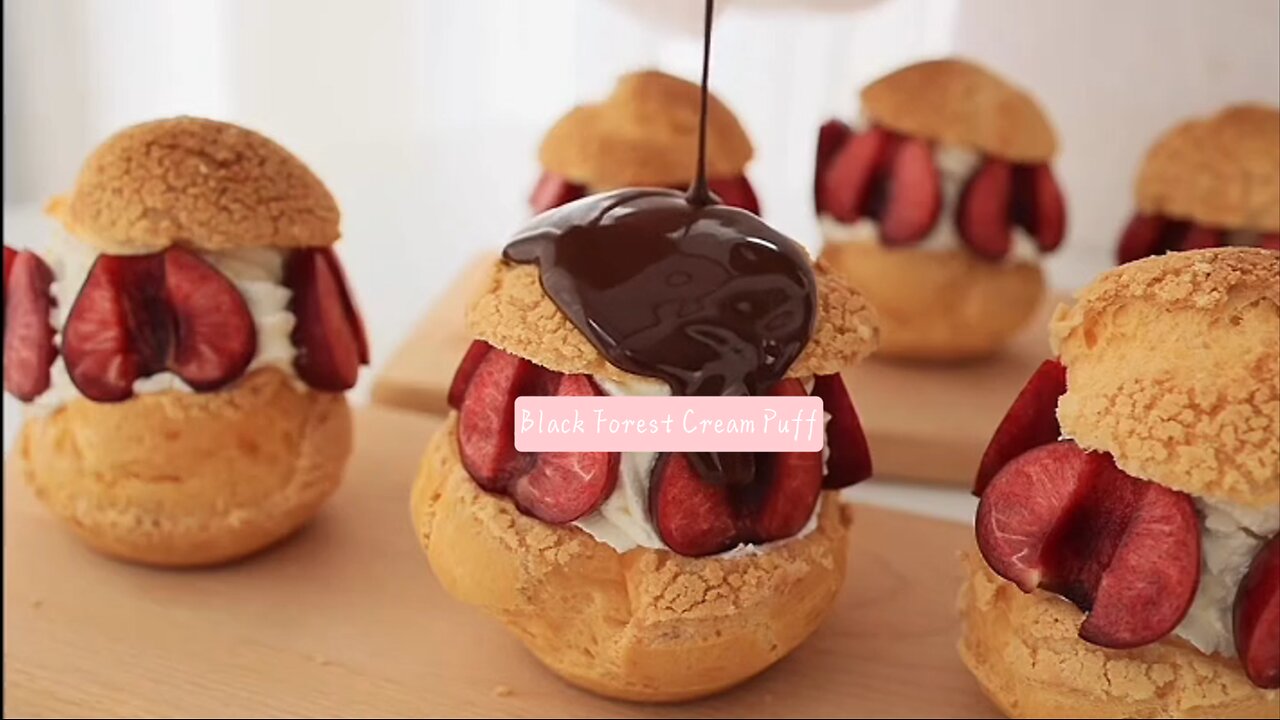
x=1222, y=171
x=1173, y=367
x=645, y=134
x=201, y=183
x=958, y=102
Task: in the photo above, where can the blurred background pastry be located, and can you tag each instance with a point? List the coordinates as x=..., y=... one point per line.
x=1209, y=182
x=645, y=134
x=938, y=203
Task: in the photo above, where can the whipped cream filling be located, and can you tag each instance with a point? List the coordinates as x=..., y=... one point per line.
x=622, y=522
x=1230, y=537
x=258, y=273
x=955, y=165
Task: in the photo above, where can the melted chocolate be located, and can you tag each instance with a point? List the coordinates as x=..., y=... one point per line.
x=699, y=194
x=676, y=286
x=708, y=298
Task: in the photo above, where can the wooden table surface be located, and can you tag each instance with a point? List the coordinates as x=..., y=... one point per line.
x=346, y=619
x=925, y=423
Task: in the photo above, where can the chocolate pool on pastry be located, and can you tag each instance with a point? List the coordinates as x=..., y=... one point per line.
x=640, y=575
x=649, y=576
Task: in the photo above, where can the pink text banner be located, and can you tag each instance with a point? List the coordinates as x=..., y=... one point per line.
x=669, y=424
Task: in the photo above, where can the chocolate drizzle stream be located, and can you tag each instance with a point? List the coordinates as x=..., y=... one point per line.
x=704, y=296
x=698, y=193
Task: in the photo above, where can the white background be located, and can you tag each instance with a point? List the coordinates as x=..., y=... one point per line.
x=423, y=116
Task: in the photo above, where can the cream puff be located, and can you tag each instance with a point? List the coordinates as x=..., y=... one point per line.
x=1209, y=183
x=182, y=346
x=645, y=134
x=640, y=575
x=1128, y=558
x=938, y=205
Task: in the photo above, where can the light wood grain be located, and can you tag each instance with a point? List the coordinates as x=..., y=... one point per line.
x=346, y=619
x=927, y=423
x=417, y=376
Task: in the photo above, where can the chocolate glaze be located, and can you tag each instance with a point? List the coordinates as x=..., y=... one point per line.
x=699, y=194
x=708, y=298
x=679, y=287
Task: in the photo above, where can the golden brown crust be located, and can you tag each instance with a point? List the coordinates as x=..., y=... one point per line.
x=941, y=306
x=1223, y=171
x=1173, y=366
x=646, y=625
x=644, y=134
x=958, y=102
x=1026, y=654
x=178, y=479
x=515, y=315
x=199, y=183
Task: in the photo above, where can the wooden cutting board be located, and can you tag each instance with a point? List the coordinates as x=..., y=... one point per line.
x=927, y=423
x=346, y=619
